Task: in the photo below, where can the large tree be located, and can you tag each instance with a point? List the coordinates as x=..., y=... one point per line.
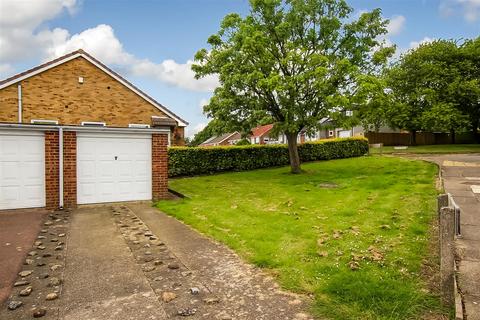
x=467, y=87
x=294, y=61
x=436, y=88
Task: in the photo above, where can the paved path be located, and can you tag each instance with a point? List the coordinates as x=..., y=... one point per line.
x=18, y=229
x=134, y=262
x=461, y=176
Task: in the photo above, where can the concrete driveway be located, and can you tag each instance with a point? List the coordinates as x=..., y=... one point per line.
x=133, y=262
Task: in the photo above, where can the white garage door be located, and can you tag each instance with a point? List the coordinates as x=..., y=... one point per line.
x=113, y=167
x=22, y=170
x=344, y=133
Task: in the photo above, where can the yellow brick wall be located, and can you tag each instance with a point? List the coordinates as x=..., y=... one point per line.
x=56, y=94
x=9, y=104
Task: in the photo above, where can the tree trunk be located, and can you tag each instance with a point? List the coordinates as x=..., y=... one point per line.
x=476, y=135
x=293, y=152
x=452, y=136
x=413, y=137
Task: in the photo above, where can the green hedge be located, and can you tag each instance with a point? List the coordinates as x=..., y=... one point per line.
x=184, y=161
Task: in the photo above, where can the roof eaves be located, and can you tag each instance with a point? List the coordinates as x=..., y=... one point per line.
x=227, y=136
x=72, y=55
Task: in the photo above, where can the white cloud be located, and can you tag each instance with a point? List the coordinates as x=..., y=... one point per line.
x=191, y=131
x=22, y=37
x=470, y=9
x=100, y=41
x=30, y=14
x=416, y=44
x=178, y=74
x=396, y=25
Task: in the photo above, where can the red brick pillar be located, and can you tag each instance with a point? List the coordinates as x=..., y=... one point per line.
x=69, y=169
x=51, y=170
x=159, y=166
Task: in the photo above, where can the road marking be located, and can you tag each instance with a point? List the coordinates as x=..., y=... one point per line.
x=475, y=188
x=449, y=163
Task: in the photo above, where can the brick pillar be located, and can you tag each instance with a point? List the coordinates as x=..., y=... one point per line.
x=159, y=166
x=51, y=170
x=69, y=169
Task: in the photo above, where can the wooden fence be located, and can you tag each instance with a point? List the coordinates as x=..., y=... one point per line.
x=422, y=138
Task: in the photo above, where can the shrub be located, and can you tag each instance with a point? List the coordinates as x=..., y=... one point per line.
x=243, y=142
x=184, y=161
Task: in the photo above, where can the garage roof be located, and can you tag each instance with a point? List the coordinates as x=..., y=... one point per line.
x=81, y=53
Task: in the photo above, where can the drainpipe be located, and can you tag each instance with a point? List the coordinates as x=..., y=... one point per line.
x=19, y=103
x=60, y=167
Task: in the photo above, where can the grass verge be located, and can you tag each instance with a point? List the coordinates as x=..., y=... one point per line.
x=353, y=233
x=440, y=148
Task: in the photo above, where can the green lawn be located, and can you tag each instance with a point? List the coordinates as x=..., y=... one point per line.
x=440, y=148
x=352, y=232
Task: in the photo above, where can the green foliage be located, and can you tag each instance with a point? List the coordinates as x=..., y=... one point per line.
x=437, y=87
x=213, y=128
x=374, y=100
x=243, y=142
x=292, y=61
x=194, y=161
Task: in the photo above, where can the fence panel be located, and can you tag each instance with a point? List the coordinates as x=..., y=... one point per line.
x=422, y=138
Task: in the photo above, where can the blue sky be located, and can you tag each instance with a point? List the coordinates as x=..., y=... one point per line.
x=152, y=42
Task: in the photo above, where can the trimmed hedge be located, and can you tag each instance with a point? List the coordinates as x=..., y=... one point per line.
x=185, y=161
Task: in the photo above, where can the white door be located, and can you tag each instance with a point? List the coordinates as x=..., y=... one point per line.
x=344, y=133
x=113, y=167
x=22, y=169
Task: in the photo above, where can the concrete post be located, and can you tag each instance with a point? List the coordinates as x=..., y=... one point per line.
x=447, y=236
x=442, y=201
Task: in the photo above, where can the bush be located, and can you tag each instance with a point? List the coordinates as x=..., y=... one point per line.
x=184, y=161
x=243, y=142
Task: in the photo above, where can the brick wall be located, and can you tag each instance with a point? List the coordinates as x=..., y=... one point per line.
x=159, y=166
x=56, y=94
x=178, y=136
x=51, y=170
x=69, y=169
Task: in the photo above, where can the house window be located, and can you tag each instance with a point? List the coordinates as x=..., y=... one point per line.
x=43, y=121
x=349, y=113
x=331, y=133
x=138, y=125
x=93, y=124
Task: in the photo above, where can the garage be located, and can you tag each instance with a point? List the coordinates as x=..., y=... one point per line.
x=22, y=169
x=344, y=133
x=113, y=167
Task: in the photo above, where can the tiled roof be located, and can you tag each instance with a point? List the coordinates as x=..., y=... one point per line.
x=50, y=64
x=218, y=139
x=261, y=130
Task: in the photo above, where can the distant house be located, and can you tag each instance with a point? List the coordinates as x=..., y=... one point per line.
x=262, y=135
x=227, y=139
x=331, y=131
